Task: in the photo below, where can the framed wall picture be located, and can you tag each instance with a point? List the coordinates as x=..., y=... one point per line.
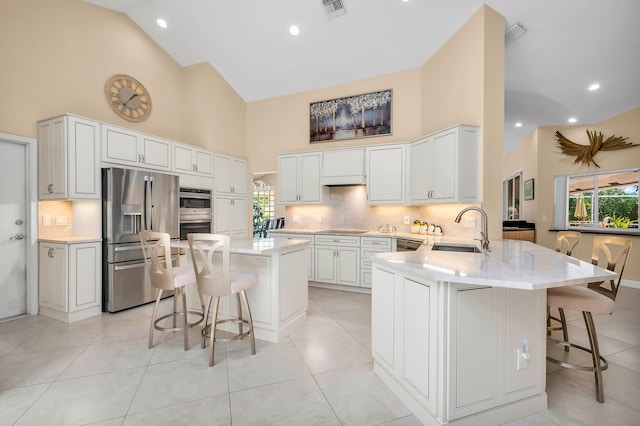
x=351, y=117
x=528, y=189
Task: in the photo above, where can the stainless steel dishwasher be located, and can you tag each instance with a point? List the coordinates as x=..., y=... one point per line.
x=406, y=244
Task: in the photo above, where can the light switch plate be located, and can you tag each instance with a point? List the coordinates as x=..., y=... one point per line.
x=46, y=220
x=470, y=222
x=296, y=218
x=61, y=220
x=407, y=220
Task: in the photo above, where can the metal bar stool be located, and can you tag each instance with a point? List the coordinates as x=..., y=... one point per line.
x=566, y=242
x=597, y=297
x=215, y=279
x=165, y=277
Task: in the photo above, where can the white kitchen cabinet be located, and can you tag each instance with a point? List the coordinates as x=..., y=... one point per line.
x=191, y=160
x=385, y=174
x=445, y=167
x=310, y=249
x=126, y=147
x=369, y=246
x=337, y=260
x=70, y=281
x=230, y=215
x=68, y=159
x=343, y=167
x=299, y=179
x=230, y=175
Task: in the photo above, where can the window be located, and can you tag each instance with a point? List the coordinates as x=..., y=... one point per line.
x=603, y=200
x=512, y=188
x=263, y=204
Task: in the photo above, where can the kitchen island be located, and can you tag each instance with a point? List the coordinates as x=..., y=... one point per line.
x=279, y=301
x=461, y=337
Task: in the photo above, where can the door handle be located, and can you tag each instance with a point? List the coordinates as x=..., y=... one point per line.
x=18, y=236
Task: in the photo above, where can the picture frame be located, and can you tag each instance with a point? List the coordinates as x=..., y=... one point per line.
x=529, y=190
x=351, y=117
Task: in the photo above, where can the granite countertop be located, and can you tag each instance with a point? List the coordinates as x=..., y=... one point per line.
x=510, y=263
x=70, y=240
x=255, y=246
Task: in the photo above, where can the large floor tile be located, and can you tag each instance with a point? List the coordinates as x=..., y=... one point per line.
x=179, y=382
x=109, y=357
x=270, y=364
x=404, y=421
x=608, y=345
x=342, y=301
x=14, y=402
x=354, y=319
x=573, y=404
x=317, y=325
x=629, y=358
x=207, y=411
x=332, y=352
x=125, y=329
x=359, y=397
x=35, y=367
x=84, y=400
x=622, y=325
x=61, y=336
x=294, y=402
x=534, y=420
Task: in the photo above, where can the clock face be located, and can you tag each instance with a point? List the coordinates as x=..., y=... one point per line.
x=128, y=98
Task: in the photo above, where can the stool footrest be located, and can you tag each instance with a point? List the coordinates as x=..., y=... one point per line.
x=603, y=365
x=206, y=331
x=176, y=314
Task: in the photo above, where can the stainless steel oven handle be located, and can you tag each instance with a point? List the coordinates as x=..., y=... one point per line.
x=132, y=266
x=128, y=248
x=195, y=220
x=195, y=196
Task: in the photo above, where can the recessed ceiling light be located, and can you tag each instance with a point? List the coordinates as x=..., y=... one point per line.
x=294, y=30
x=594, y=86
x=518, y=124
x=161, y=23
x=572, y=120
x=406, y=1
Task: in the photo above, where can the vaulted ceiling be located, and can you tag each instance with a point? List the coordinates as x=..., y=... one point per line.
x=569, y=45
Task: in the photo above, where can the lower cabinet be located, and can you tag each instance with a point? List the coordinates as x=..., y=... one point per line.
x=368, y=246
x=337, y=260
x=70, y=281
x=310, y=249
x=454, y=349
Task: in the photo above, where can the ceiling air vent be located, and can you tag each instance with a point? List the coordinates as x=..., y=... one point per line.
x=513, y=32
x=334, y=8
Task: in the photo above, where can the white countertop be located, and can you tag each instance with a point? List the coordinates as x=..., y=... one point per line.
x=511, y=263
x=309, y=231
x=255, y=246
x=70, y=240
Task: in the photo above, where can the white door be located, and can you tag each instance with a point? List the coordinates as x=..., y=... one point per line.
x=13, y=219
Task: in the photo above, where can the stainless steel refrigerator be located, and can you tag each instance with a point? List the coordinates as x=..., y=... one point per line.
x=132, y=201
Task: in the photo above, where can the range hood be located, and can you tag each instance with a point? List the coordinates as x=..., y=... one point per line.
x=343, y=180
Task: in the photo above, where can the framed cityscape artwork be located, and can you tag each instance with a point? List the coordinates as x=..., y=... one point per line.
x=350, y=117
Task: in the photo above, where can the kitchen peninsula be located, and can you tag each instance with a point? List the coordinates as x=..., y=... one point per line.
x=461, y=337
x=279, y=301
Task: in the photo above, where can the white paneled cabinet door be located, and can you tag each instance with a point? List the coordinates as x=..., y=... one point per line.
x=182, y=161
x=299, y=179
x=204, y=162
x=223, y=176
x=120, y=146
x=222, y=215
x=52, y=276
x=445, y=166
x=239, y=207
x=156, y=153
x=385, y=174
x=84, y=159
x=383, y=317
x=420, y=183
x=239, y=176
x=325, y=270
x=52, y=156
x=310, y=189
x=288, y=179
x=347, y=262
x=85, y=281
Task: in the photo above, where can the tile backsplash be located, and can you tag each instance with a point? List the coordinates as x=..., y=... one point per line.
x=347, y=209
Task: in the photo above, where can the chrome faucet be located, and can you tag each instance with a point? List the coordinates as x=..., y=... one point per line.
x=485, y=232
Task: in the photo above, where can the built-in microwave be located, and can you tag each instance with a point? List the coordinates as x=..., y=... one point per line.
x=195, y=211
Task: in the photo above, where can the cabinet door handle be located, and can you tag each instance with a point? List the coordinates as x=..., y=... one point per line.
x=143, y=158
x=50, y=188
x=196, y=167
x=50, y=252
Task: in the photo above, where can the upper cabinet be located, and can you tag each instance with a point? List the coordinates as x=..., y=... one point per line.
x=129, y=148
x=343, y=167
x=230, y=175
x=445, y=167
x=191, y=160
x=385, y=174
x=68, y=158
x=299, y=179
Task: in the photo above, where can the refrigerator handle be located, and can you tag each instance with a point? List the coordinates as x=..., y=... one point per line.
x=144, y=205
x=151, y=197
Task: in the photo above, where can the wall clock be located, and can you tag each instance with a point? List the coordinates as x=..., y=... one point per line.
x=128, y=98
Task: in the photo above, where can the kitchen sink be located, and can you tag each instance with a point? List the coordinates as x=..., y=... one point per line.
x=466, y=248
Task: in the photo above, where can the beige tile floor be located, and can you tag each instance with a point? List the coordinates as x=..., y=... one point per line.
x=99, y=371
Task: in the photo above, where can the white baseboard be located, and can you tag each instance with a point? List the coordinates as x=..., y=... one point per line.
x=631, y=283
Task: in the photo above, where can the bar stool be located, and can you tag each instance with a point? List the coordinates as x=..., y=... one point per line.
x=566, y=242
x=215, y=279
x=597, y=297
x=165, y=277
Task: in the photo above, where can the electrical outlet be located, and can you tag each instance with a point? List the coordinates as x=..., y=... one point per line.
x=523, y=359
x=470, y=222
x=46, y=220
x=407, y=220
x=319, y=218
x=544, y=217
x=296, y=218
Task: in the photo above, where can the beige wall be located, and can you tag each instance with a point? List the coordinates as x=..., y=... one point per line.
x=552, y=162
x=464, y=83
x=57, y=55
x=281, y=124
x=524, y=158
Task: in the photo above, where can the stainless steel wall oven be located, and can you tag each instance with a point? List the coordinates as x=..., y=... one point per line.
x=195, y=211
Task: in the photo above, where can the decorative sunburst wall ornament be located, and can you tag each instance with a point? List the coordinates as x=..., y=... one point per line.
x=585, y=153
